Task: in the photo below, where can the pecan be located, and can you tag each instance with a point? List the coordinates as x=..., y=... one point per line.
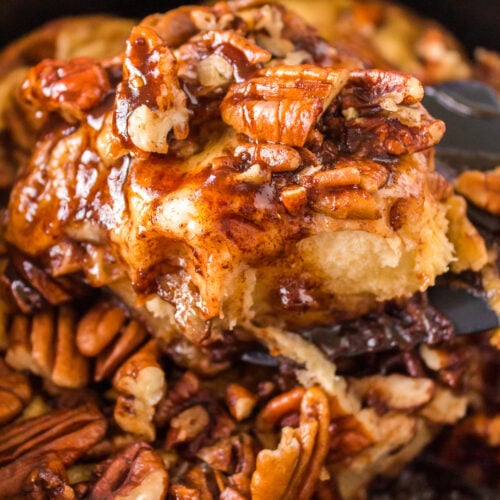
x=349, y=437
x=71, y=88
x=65, y=433
x=234, y=456
x=196, y=486
x=31, y=287
x=15, y=393
x=252, y=53
x=141, y=384
x=349, y=203
x=277, y=157
x=149, y=100
x=105, y=331
x=293, y=469
x=481, y=188
x=370, y=87
x=278, y=408
x=294, y=199
x=45, y=344
x=394, y=391
x=187, y=425
x=182, y=392
x=284, y=104
x=48, y=480
x=137, y=472
x=240, y=401
x=380, y=115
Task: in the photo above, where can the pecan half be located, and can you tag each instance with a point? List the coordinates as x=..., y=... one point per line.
x=15, y=393
x=141, y=384
x=106, y=332
x=45, y=345
x=284, y=104
x=293, y=469
x=369, y=87
x=65, y=433
x=71, y=88
x=137, y=472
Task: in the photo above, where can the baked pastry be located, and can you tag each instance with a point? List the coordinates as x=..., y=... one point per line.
x=233, y=168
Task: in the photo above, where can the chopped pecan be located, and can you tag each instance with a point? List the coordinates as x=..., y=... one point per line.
x=181, y=392
x=293, y=469
x=234, y=456
x=45, y=344
x=15, y=393
x=137, y=472
x=141, y=384
x=284, y=104
x=294, y=199
x=481, y=188
x=240, y=401
x=196, y=486
x=65, y=433
x=349, y=437
x=252, y=53
x=149, y=100
x=48, y=480
x=187, y=425
x=378, y=113
x=71, y=88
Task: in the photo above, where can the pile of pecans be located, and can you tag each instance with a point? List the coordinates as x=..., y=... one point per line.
x=94, y=407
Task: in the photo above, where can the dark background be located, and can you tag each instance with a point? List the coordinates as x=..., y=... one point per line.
x=475, y=22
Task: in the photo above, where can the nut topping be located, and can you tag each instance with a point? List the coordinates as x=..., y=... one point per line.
x=369, y=87
x=65, y=433
x=137, y=472
x=149, y=100
x=278, y=157
x=71, y=88
x=284, y=104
